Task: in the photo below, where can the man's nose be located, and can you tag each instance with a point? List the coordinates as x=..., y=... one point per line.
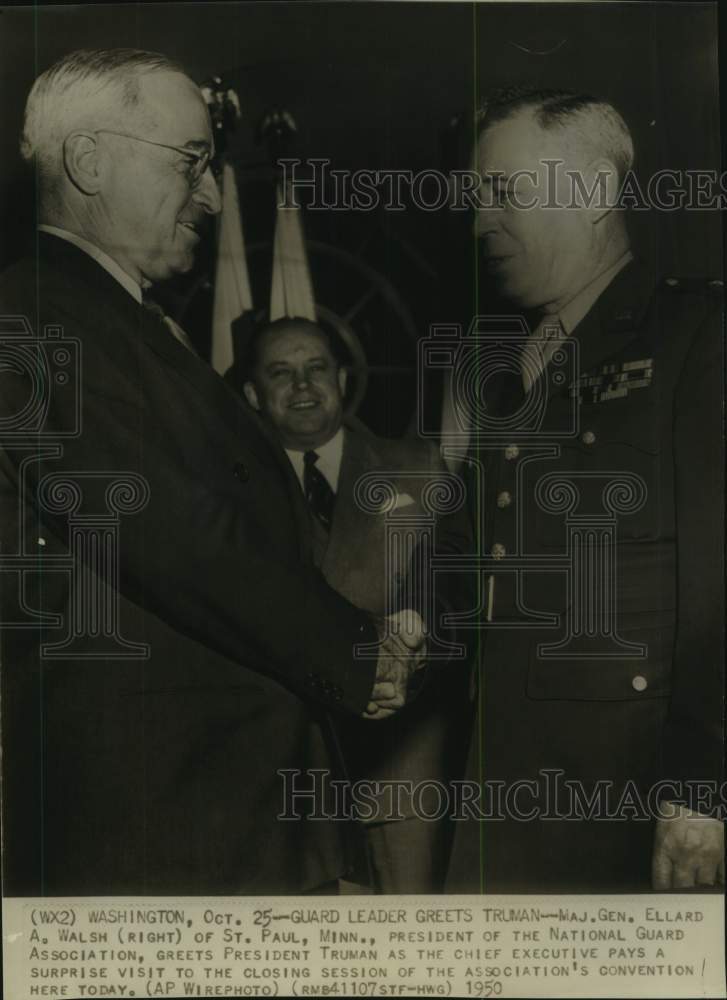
x=485, y=221
x=207, y=195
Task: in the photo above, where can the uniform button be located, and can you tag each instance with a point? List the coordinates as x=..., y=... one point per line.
x=241, y=472
x=672, y=282
x=639, y=683
x=504, y=499
x=512, y=451
x=498, y=551
x=41, y=541
x=588, y=437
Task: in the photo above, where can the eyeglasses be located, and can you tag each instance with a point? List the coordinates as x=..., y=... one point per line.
x=200, y=159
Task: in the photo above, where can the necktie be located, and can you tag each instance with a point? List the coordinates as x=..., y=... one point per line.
x=539, y=349
x=317, y=490
x=153, y=307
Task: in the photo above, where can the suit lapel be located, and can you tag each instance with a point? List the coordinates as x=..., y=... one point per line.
x=251, y=428
x=359, y=456
x=220, y=399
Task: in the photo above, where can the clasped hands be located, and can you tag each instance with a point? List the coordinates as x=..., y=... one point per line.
x=401, y=654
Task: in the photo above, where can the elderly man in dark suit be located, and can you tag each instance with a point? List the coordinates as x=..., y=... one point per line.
x=601, y=672
x=152, y=693
x=296, y=382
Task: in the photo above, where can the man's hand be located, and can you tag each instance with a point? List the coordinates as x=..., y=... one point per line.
x=688, y=849
x=401, y=653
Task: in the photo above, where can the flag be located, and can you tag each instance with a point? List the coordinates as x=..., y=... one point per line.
x=291, y=292
x=232, y=281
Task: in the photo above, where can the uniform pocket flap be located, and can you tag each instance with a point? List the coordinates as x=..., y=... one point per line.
x=634, y=664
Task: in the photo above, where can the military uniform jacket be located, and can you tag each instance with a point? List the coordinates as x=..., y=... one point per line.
x=603, y=653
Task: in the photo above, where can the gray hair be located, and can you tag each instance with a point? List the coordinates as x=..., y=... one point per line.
x=590, y=124
x=89, y=87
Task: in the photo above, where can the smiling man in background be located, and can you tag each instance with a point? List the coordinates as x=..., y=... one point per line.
x=294, y=380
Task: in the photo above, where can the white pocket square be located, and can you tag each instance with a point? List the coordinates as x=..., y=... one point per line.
x=403, y=500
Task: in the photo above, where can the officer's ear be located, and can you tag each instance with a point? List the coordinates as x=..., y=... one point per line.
x=83, y=161
x=251, y=395
x=599, y=193
x=342, y=377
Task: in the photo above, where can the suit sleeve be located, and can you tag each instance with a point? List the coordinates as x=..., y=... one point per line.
x=452, y=592
x=195, y=558
x=693, y=745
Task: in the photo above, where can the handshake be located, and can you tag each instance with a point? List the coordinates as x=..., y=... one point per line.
x=401, y=654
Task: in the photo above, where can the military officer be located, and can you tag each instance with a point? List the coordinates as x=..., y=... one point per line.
x=600, y=688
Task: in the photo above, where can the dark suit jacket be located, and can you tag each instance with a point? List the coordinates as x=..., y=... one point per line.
x=423, y=741
x=159, y=775
x=618, y=718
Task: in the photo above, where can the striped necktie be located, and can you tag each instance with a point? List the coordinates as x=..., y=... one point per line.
x=317, y=490
x=152, y=306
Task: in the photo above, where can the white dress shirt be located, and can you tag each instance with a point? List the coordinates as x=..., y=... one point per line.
x=329, y=460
